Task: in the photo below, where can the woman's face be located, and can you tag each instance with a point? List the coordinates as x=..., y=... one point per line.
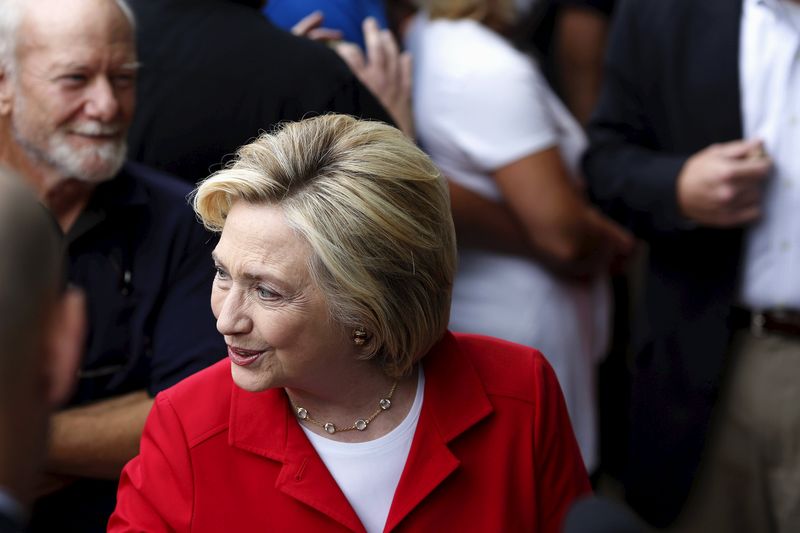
x=274, y=319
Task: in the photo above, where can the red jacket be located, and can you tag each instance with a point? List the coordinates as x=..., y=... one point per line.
x=493, y=451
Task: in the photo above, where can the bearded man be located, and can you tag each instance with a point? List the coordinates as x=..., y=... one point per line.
x=67, y=94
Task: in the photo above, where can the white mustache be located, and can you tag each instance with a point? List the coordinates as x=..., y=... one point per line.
x=95, y=128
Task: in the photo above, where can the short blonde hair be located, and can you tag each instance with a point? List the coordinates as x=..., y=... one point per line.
x=376, y=213
x=496, y=14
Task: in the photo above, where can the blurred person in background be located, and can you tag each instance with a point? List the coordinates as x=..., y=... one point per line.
x=487, y=117
x=67, y=96
x=346, y=405
x=41, y=335
x=570, y=37
x=694, y=146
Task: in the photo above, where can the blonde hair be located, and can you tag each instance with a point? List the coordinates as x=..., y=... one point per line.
x=376, y=213
x=496, y=14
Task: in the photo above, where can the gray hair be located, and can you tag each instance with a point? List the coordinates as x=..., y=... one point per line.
x=11, y=13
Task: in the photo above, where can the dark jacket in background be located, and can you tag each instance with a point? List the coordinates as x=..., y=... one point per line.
x=671, y=88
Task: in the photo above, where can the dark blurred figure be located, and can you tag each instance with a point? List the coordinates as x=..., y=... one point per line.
x=694, y=142
x=67, y=84
x=215, y=73
x=599, y=515
x=41, y=334
x=570, y=36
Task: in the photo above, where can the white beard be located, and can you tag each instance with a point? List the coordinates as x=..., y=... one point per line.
x=92, y=164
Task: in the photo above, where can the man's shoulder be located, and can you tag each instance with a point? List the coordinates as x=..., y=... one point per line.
x=505, y=368
x=157, y=183
x=201, y=401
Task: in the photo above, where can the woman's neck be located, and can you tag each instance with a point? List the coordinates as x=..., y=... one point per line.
x=353, y=399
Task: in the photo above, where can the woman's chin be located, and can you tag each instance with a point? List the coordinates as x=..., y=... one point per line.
x=249, y=380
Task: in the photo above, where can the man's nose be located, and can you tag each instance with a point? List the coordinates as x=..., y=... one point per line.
x=233, y=318
x=102, y=102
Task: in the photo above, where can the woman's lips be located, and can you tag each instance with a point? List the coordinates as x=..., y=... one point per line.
x=242, y=357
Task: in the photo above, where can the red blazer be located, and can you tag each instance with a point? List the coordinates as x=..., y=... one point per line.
x=493, y=451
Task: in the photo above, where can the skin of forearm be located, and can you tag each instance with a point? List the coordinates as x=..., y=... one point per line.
x=97, y=440
x=485, y=224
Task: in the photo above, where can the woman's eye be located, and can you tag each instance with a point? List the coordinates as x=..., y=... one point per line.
x=265, y=293
x=221, y=274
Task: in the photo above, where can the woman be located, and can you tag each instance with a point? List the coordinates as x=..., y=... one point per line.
x=344, y=403
x=487, y=118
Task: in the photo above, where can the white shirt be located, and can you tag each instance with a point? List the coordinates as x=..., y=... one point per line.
x=368, y=472
x=769, y=66
x=479, y=105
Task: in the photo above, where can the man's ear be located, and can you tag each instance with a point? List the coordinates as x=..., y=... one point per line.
x=65, y=339
x=6, y=91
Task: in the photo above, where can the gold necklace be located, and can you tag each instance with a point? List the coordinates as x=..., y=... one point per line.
x=384, y=404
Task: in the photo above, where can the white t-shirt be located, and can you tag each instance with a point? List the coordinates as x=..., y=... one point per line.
x=480, y=104
x=368, y=472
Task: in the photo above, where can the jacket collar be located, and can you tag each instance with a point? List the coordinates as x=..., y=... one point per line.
x=454, y=401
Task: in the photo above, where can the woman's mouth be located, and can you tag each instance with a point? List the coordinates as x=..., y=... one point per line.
x=243, y=357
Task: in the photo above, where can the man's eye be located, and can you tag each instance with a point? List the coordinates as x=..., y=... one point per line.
x=123, y=81
x=74, y=79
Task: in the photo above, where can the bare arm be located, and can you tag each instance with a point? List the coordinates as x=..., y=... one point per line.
x=485, y=224
x=581, y=36
x=562, y=229
x=97, y=440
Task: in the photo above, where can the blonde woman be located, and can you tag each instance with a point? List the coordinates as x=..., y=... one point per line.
x=344, y=404
x=488, y=119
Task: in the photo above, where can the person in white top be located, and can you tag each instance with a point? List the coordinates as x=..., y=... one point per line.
x=488, y=119
x=695, y=138
x=41, y=337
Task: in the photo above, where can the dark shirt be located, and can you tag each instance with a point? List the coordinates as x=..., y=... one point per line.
x=215, y=74
x=144, y=262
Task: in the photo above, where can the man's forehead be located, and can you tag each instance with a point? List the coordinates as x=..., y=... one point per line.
x=90, y=23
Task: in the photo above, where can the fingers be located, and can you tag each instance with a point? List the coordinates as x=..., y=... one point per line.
x=310, y=27
x=325, y=35
x=406, y=74
x=740, y=149
x=750, y=170
x=308, y=23
x=353, y=56
x=391, y=55
x=376, y=54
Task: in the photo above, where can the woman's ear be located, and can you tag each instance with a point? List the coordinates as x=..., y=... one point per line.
x=64, y=348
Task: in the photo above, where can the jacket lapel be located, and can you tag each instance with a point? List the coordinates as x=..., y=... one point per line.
x=262, y=423
x=454, y=401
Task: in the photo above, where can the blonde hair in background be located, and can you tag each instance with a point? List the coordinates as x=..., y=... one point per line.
x=376, y=213
x=496, y=14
